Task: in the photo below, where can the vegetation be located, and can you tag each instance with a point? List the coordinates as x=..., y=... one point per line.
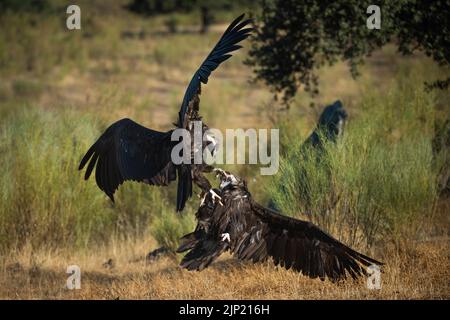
x=206, y=8
x=311, y=34
x=154, y=7
x=59, y=90
x=379, y=180
x=49, y=120
x=44, y=200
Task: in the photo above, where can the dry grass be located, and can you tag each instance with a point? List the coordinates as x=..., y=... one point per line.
x=413, y=270
x=113, y=77
x=421, y=271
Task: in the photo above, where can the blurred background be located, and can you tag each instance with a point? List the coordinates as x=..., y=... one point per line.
x=382, y=186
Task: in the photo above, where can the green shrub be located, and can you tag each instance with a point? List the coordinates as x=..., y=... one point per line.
x=26, y=88
x=168, y=227
x=45, y=200
x=378, y=180
x=172, y=24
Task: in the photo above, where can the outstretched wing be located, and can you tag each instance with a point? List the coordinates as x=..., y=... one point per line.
x=203, y=244
x=295, y=244
x=129, y=151
x=235, y=33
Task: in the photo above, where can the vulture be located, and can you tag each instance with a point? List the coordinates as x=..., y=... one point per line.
x=252, y=232
x=129, y=151
x=330, y=125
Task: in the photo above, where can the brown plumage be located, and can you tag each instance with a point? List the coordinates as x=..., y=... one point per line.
x=257, y=233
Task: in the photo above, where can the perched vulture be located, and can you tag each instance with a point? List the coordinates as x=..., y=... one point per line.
x=252, y=232
x=330, y=125
x=129, y=151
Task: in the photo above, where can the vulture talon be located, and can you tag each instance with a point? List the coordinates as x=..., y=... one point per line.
x=216, y=196
x=203, y=199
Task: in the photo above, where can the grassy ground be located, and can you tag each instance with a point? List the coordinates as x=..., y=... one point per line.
x=60, y=89
x=419, y=271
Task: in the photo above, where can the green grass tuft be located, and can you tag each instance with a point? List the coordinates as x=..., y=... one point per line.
x=378, y=180
x=45, y=200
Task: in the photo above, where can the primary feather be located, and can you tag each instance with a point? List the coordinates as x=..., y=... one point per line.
x=235, y=33
x=129, y=151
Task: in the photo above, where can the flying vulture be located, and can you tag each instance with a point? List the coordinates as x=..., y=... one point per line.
x=255, y=233
x=130, y=151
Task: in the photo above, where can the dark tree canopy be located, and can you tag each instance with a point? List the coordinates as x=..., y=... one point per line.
x=23, y=6
x=207, y=9
x=295, y=37
x=151, y=7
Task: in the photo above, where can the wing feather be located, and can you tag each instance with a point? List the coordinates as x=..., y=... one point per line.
x=234, y=34
x=309, y=249
x=295, y=244
x=91, y=165
x=129, y=151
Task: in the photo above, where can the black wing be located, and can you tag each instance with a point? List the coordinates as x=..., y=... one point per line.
x=295, y=244
x=129, y=151
x=235, y=33
x=203, y=244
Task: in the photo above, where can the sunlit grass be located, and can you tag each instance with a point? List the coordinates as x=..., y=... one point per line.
x=379, y=180
x=45, y=200
x=59, y=90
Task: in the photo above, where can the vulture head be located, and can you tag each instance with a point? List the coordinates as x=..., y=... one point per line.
x=209, y=141
x=228, y=180
x=332, y=120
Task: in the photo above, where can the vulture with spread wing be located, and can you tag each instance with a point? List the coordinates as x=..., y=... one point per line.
x=129, y=151
x=252, y=232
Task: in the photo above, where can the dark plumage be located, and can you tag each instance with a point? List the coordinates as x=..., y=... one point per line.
x=129, y=151
x=257, y=233
x=330, y=125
